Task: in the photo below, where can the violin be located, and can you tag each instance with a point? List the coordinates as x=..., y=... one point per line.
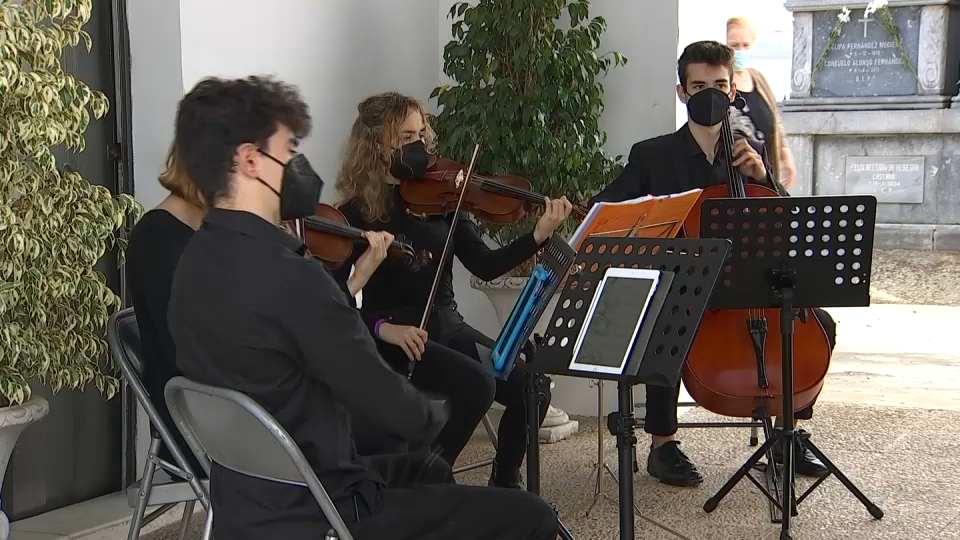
x=329, y=237
x=504, y=198
x=734, y=364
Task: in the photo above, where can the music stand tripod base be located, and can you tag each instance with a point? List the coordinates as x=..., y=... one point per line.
x=689, y=269
x=596, y=472
x=813, y=252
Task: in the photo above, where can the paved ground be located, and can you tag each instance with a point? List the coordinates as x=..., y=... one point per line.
x=888, y=418
x=916, y=277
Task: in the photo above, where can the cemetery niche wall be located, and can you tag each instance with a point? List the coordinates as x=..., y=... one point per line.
x=874, y=111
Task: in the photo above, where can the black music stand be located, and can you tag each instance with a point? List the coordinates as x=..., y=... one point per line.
x=688, y=272
x=812, y=252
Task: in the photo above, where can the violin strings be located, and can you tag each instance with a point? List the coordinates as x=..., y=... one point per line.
x=323, y=225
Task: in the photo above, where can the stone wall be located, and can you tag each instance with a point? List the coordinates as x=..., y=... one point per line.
x=879, y=119
x=823, y=141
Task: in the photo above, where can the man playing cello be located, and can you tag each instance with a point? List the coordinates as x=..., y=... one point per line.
x=690, y=159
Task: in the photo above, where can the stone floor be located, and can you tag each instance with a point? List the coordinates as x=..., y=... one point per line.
x=902, y=458
x=887, y=418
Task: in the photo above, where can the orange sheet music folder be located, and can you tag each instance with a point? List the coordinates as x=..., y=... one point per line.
x=646, y=217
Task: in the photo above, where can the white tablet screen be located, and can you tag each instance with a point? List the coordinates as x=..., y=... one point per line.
x=607, y=338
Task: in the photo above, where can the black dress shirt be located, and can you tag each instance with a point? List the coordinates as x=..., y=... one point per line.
x=248, y=312
x=396, y=290
x=672, y=164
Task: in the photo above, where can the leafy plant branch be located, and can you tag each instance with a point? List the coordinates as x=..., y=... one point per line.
x=54, y=225
x=530, y=87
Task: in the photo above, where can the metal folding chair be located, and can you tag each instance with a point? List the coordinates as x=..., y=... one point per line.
x=230, y=428
x=123, y=336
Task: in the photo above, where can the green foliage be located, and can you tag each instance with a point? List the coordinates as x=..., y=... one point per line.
x=54, y=225
x=529, y=90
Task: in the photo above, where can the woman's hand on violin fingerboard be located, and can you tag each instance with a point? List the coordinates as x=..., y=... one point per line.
x=555, y=211
x=375, y=253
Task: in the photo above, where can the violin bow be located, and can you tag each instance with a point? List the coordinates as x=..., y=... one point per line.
x=462, y=182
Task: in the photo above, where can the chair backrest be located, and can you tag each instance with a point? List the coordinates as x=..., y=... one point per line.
x=123, y=337
x=236, y=432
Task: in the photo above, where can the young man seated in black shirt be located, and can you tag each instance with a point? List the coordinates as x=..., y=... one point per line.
x=248, y=311
x=681, y=161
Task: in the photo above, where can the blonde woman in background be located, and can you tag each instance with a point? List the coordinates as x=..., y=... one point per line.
x=760, y=118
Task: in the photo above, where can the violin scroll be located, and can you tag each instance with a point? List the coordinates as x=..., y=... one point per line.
x=417, y=258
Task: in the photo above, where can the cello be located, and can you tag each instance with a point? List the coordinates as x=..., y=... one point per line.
x=733, y=369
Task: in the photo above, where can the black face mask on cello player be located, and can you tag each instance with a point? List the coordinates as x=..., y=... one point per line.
x=708, y=107
x=300, y=187
x=409, y=162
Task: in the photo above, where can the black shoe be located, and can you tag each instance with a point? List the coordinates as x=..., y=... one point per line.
x=806, y=463
x=508, y=477
x=668, y=464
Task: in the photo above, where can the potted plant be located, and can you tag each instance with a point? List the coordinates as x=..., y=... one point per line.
x=54, y=225
x=528, y=85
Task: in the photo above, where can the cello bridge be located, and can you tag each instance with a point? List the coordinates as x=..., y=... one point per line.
x=757, y=327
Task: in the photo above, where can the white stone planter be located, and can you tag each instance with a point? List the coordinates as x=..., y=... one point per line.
x=567, y=392
x=13, y=420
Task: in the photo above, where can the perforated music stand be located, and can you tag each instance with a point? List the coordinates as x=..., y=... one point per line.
x=693, y=266
x=811, y=252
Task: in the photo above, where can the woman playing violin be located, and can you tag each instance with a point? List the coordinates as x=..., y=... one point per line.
x=389, y=144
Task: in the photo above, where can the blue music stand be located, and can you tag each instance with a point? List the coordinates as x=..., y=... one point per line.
x=514, y=340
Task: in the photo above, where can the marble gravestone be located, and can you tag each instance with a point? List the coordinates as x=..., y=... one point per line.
x=868, y=124
x=867, y=63
x=865, y=68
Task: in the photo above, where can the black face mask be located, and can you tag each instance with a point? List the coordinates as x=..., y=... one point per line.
x=409, y=162
x=708, y=107
x=300, y=188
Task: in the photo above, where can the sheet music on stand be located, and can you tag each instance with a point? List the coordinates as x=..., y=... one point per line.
x=644, y=217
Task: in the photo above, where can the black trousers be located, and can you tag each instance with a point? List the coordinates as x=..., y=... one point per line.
x=661, y=402
x=449, y=374
x=453, y=332
x=451, y=366
x=421, y=502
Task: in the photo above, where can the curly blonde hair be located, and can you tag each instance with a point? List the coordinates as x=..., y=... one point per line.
x=175, y=179
x=366, y=158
